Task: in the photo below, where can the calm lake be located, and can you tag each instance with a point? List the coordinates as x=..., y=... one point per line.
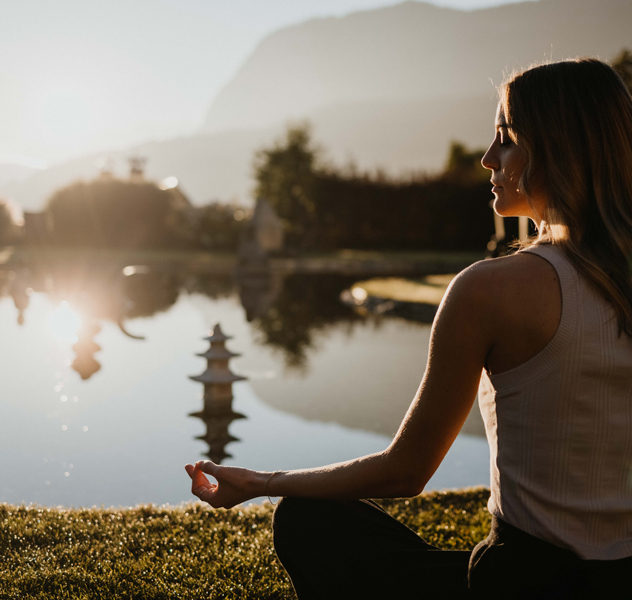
x=94, y=415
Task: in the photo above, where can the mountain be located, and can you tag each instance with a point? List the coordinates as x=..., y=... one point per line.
x=386, y=88
x=410, y=51
x=11, y=171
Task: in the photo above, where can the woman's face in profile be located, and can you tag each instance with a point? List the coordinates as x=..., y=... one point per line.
x=507, y=160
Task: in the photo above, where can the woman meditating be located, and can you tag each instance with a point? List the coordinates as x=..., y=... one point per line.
x=545, y=338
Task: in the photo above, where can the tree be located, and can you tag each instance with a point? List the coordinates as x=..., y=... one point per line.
x=219, y=226
x=113, y=213
x=622, y=64
x=464, y=164
x=10, y=225
x=324, y=208
x=286, y=175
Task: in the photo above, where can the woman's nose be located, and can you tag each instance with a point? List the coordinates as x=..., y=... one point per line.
x=489, y=160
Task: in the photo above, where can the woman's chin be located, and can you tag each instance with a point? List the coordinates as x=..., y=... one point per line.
x=501, y=210
x=505, y=209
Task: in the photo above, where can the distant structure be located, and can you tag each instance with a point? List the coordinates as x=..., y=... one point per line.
x=137, y=168
x=264, y=234
x=268, y=227
x=258, y=285
x=105, y=165
x=217, y=413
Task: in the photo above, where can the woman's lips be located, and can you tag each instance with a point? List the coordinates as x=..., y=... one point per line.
x=496, y=188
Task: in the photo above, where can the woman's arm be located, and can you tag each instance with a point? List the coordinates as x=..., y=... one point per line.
x=461, y=338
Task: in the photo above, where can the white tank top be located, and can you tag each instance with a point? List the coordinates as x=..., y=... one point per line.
x=559, y=428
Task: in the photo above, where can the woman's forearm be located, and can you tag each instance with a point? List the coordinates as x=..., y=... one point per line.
x=388, y=474
x=373, y=476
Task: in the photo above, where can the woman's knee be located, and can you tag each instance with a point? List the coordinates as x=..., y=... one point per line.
x=292, y=514
x=288, y=525
x=300, y=521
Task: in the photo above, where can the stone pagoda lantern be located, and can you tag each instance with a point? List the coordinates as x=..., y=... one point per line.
x=218, y=380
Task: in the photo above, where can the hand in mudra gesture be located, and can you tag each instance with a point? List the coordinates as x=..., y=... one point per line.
x=234, y=484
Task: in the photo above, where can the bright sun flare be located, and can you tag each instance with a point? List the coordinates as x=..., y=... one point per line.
x=64, y=323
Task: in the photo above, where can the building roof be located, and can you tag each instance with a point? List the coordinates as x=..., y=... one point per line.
x=217, y=376
x=218, y=414
x=217, y=335
x=217, y=353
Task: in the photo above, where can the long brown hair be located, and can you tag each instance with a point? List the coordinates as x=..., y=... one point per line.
x=574, y=120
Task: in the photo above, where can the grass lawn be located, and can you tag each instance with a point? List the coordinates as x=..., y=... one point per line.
x=187, y=551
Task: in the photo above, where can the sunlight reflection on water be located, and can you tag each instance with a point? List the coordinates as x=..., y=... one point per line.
x=64, y=323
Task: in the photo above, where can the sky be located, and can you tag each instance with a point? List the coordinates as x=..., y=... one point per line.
x=83, y=76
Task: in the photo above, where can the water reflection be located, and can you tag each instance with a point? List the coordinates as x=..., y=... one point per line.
x=92, y=289
x=217, y=412
x=289, y=314
x=305, y=306
x=64, y=323
x=84, y=363
x=287, y=310
x=127, y=430
x=324, y=382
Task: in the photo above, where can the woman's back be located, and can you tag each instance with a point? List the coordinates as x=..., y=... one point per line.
x=560, y=422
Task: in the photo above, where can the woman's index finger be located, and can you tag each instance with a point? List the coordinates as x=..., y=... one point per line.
x=207, y=466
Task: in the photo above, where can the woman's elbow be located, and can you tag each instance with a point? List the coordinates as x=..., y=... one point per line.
x=412, y=487
x=406, y=481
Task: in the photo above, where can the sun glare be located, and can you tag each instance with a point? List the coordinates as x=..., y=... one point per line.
x=65, y=323
x=168, y=183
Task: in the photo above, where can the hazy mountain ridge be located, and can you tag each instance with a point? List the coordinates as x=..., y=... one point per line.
x=405, y=51
x=373, y=84
x=13, y=172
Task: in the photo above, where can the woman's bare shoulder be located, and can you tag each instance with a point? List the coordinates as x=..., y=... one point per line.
x=505, y=275
x=517, y=303
x=508, y=289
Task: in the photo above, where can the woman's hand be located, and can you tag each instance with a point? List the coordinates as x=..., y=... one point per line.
x=234, y=484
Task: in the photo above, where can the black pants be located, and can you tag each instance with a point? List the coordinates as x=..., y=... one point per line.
x=348, y=550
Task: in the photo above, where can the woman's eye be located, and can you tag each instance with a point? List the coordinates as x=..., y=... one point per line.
x=505, y=140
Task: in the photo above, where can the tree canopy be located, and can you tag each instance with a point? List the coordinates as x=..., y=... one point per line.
x=622, y=63
x=324, y=208
x=465, y=164
x=116, y=214
x=286, y=177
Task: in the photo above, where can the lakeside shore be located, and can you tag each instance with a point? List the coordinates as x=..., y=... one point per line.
x=364, y=263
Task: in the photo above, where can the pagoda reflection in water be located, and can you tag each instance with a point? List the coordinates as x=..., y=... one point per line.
x=217, y=412
x=85, y=364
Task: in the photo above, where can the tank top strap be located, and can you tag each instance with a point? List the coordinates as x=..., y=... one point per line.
x=550, y=355
x=555, y=255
